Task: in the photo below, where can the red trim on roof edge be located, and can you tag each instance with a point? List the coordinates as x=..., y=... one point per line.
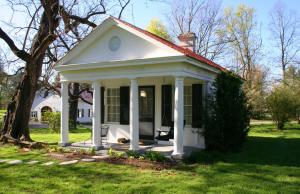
x=184, y=51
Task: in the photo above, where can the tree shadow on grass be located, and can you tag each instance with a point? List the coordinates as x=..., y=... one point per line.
x=257, y=150
x=61, y=179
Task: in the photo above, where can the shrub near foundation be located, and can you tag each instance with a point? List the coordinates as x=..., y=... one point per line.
x=155, y=156
x=227, y=114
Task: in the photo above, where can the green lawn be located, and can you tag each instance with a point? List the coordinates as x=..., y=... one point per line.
x=43, y=135
x=2, y=113
x=269, y=162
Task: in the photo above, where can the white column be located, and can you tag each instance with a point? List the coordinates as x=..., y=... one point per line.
x=134, y=115
x=178, y=118
x=96, y=136
x=64, y=119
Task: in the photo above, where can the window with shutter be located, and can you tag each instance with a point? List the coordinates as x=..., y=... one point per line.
x=124, y=105
x=102, y=104
x=166, y=102
x=197, y=106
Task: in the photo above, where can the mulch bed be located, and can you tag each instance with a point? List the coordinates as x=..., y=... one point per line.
x=143, y=164
x=67, y=156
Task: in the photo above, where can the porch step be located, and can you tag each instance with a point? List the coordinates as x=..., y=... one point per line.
x=170, y=142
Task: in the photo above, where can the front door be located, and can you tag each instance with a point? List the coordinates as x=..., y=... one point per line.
x=146, y=111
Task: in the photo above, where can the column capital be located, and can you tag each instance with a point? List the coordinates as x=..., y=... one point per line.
x=179, y=78
x=133, y=78
x=64, y=82
x=96, y=83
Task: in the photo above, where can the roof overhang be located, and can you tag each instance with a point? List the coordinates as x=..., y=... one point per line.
x=135, y=62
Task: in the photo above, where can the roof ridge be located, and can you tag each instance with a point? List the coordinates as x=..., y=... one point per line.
x=184, y=51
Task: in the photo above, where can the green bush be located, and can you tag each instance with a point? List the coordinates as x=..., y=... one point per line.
x=133, y=154
x=227, y=116
x=114, y=153
x=53, y=119
x=155, y=156
x=282, y=104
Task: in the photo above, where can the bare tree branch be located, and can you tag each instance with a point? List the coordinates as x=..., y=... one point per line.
x=19, y=53
x=122, y=7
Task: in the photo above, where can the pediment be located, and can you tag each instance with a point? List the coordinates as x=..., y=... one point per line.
x=115, y=42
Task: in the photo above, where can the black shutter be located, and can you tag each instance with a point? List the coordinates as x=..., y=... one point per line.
x=102, y=104
x=197, y=115
x=124, y=105
x=82, y=113
x=166, y=105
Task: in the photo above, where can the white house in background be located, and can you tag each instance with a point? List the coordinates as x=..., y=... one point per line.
x=52, y=102
x=141, y=84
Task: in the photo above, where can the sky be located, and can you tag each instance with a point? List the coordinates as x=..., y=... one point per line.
x=140, y=12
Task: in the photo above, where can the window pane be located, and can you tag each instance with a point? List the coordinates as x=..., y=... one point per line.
x=188, y=104
x=113, y=101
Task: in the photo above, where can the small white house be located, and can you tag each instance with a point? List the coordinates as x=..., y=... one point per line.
x=141, y=84
x=52, y=102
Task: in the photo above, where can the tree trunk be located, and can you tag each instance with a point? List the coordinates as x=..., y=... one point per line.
x=73, y=102
x=18, y=110
x=17, y=117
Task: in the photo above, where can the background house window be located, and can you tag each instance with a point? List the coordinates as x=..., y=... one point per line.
x=90, y=113
x=33, y=114
x=80, y=113
x=113, y=104
x=188, y=104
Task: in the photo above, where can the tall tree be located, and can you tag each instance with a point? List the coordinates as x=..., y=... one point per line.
x=203, y=18
x=285, y=29
x=45, y=19
x=158, y=28
x=257, y=94
x=245, y=41
x=65, y=43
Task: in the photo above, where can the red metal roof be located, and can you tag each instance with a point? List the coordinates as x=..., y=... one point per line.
x=185, y=51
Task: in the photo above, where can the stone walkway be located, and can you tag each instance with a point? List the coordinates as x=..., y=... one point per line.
x=50, y=163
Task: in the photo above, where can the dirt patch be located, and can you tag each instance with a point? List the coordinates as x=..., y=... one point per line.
x=143, y=164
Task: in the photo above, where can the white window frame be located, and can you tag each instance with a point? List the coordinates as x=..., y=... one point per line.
x=90, y=113
x=35, y=115
x=117, y=121
x=80, y=113
x=188, y=104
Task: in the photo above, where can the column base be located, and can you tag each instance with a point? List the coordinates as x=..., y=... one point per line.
x=97, y=147
x=64, y=144
x=134, y=148
x=177, y=156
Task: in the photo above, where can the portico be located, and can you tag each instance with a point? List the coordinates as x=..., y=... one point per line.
x=140, y=84
x=134, y=122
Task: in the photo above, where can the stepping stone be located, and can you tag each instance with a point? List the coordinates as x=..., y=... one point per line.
x=69, y=162
x=88, y=160
x=100, y=157
x=13, y=162
x=4, y=160
x=33, y=162
x=47, y=163
x=26, y=149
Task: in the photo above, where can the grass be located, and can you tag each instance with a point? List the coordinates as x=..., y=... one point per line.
x=269, y=162
x=43, y=135
x=2, y=113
